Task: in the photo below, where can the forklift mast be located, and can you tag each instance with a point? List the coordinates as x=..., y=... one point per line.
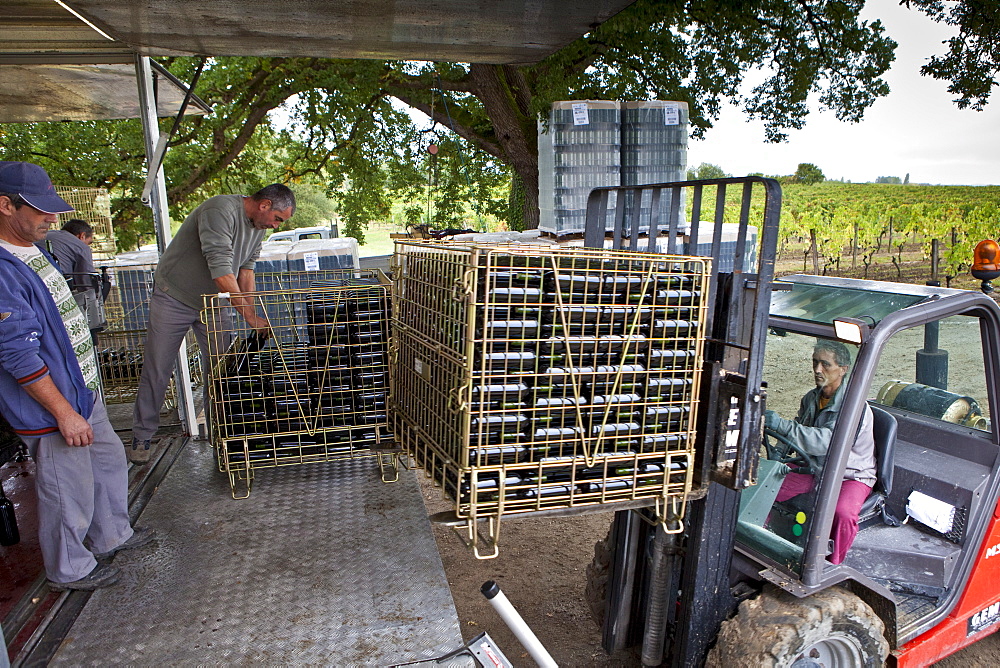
x=735, y=222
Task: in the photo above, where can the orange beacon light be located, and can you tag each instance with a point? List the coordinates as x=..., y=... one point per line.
x=986, y=263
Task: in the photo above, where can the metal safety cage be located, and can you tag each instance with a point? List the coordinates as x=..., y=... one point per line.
x=531, y=379
x=121, y=343
x=314, y=391
x=120, y=359
x=94, y=206
x=734, y=221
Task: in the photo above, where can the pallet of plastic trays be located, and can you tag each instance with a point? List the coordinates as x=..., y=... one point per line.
x=532, y=379
x=314, y=391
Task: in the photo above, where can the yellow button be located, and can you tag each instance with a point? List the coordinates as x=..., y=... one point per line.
x=800, y=517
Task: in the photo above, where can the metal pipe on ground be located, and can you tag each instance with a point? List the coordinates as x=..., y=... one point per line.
x=523, y=632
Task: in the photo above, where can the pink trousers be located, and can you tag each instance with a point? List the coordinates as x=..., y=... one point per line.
x=845, y=518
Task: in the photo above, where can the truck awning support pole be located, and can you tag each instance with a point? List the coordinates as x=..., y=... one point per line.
x=161, y=221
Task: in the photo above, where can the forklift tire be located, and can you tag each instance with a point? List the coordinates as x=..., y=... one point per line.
x=832, y=628
x=596, y=591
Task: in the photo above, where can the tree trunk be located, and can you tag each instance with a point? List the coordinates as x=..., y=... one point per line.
x=506, y=99
x=854, y=248
x=814, y=251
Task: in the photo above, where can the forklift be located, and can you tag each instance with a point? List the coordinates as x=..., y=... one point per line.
x=745, y=580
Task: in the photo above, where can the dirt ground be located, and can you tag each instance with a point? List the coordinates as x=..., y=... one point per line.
x=542, y=570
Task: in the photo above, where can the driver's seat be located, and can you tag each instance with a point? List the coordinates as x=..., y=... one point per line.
x=884, y=428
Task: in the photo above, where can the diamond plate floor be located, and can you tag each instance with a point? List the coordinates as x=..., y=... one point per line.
x=323, y=564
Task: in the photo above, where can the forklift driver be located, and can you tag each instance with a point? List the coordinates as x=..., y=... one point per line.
x=811, y=431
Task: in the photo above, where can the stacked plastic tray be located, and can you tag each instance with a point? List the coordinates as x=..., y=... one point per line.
x=631, y=143
x=654, y=150
x=315, y=391
x=580, y=151
x=530, y=379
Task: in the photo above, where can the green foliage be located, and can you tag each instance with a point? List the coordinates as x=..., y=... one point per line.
x=347, y=134
x=885, y=217
x=889, y=179
x=312, y=206
x=706, y=171
x=973, y=58
x=99, y=154
x=515, y=207
x=808, y=174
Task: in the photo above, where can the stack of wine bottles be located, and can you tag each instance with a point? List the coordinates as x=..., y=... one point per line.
x=313, y=391
x=119, y=364
x=567, y=377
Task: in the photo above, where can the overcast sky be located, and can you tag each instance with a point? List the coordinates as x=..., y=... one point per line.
x=916, y=129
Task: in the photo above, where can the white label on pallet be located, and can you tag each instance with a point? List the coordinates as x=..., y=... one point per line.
x=671, y=113
x=312, y=261
x=581, y=115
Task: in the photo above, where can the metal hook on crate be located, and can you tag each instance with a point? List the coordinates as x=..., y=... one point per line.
x=672, y=521
x=470, y=535
x=457, y=398
x=234, y=475
x=466, y=285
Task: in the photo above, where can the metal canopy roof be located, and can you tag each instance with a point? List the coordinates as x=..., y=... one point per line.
x=84, y=93
x=41, y=31
x=485, y=31
x=55, y=67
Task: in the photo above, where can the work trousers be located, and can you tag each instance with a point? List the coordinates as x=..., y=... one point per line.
x=82, y=498
x=169, y=322
x=845, y=518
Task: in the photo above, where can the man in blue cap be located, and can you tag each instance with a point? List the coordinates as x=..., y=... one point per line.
x=50, y=394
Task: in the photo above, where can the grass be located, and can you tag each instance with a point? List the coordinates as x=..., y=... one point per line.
x=377, y=241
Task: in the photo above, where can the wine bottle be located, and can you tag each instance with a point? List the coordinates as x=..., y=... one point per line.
x=9, y=535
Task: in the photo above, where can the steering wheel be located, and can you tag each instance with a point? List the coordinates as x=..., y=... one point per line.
x=792, y=453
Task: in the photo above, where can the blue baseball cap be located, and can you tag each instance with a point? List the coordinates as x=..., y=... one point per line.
x=33, y=185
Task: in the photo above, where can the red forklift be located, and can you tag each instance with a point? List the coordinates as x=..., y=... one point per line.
x=745, y=580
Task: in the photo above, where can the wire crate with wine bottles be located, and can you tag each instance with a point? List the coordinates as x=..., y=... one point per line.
x=530, y=378
x=314, y=390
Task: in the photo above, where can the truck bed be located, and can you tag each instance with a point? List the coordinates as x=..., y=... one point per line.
x=324, y=564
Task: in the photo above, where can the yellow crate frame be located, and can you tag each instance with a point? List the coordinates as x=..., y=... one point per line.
x=453, y=317
x=297, y=427
x=94, y=206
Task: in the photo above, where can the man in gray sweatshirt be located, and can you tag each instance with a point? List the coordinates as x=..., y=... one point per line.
x=811, y=431
x=213, y=251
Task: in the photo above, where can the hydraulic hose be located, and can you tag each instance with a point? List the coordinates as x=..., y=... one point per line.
x=659, y=601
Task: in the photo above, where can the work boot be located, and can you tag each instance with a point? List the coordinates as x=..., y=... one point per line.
x=140, y=536
x=139, y=452
x=102, y=576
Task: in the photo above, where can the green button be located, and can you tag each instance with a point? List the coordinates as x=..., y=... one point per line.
x=797, y=529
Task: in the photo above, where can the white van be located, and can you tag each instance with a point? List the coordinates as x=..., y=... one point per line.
x=299, y=233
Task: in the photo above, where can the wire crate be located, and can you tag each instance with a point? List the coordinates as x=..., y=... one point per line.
x=120, y=358
x=94, y=206
x=537, y=379
x=315, y=391
x=120, y=345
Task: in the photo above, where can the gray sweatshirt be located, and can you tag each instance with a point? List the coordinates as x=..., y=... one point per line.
x=812, y=428
x=216, y=239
